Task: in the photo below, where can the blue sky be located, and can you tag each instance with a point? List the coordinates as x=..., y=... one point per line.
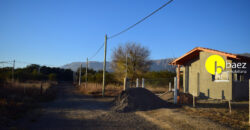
x=56, y=32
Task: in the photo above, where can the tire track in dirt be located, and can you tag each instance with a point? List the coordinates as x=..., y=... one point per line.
x=72, y=110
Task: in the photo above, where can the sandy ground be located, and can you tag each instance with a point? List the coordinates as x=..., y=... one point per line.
x=178, y=120
x=75, y=111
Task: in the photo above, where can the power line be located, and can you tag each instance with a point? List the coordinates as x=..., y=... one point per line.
x=6, y=62
x=125, y=30
x=119, y=33
x=98, y=50
x=3, y=62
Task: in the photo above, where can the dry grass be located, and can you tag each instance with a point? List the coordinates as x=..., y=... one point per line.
x=160, y=89
x=96, y=89
x=219, y=112
x=157, y=89
x=112, y=90
x=28, y=85
x=18, y=98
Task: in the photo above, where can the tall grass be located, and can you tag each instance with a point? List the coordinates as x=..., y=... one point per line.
x=95, y=89
x=18, y=98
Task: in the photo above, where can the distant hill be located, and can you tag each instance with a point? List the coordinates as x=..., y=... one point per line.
x=245, y=54
x=157, y=65
x=162, y=64
x=95, y=65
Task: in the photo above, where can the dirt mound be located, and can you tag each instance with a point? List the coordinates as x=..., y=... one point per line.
x=185, y=98
x=137, y=99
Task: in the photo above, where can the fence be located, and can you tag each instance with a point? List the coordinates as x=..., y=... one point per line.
x=156, y=85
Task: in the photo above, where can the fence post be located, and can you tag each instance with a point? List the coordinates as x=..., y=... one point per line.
x=175, y=90
x=229, y=104
x=137, y=82
x=142, y=83
x=125, y=84
x=193, y=100
x=249, y=100
x=24, y=89
x=169, y=87
x=41, y=90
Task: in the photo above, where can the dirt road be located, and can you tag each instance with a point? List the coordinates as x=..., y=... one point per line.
x=75, y=111
x=72, y=110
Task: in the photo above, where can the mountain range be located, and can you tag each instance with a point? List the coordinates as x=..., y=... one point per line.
x=157, y=65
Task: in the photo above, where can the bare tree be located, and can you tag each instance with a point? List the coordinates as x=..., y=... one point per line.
x=136, y=63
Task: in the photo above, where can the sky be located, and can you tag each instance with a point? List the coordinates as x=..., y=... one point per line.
x=57, y=32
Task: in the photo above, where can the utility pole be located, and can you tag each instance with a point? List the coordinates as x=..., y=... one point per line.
x=80, y=73
x=73, y=76
x=86, y=82
x=126, y=75
x=104, y=65
x=13, y=69
x=126, y=64
x=39, y=69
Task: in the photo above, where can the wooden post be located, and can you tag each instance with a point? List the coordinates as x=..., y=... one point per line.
x=169, y=87
x=125, y=84
x=73, y=76
x=178, y=83
x=80, y=74
x=86, y=78
x=24, y=89
x=126, y=64
x=142, y=83
x=249, y=100
x=104, y=66
x=229, y=104
x=175, y=90
x=13, y=69
x=41, y=89
x=193, y=100
x=137, y=82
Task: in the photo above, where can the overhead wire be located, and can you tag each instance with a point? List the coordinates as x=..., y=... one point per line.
x=98, y=50
x=119, y=33
x=130, y=27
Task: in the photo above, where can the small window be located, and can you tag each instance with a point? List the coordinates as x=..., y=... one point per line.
x=213, y=77
x=235, y=77
x=241, y=77
x=223, y=76
x=238, y=77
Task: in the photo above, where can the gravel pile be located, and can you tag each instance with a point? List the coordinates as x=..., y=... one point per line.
x=185, y=98
x=137, y=99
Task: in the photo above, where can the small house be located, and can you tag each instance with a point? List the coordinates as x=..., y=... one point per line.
x=213, y=74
